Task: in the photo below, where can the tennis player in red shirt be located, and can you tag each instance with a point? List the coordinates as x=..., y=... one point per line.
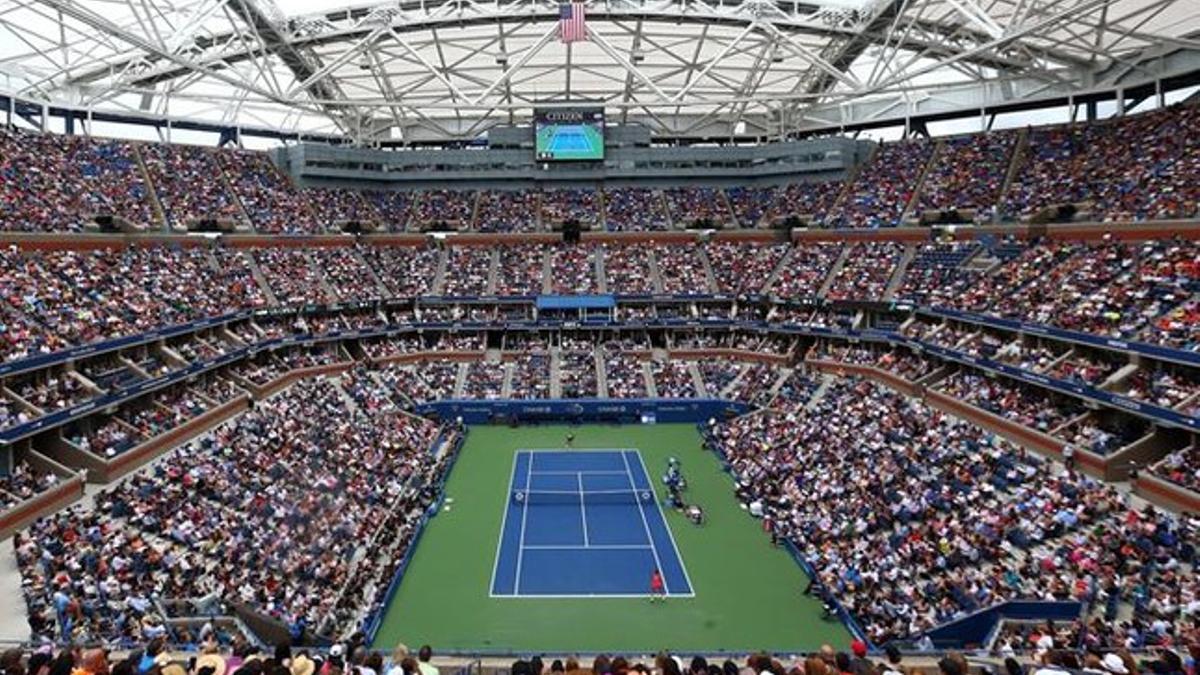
x=658, y=590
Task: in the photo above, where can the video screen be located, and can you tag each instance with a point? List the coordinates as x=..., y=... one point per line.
x=566, y=135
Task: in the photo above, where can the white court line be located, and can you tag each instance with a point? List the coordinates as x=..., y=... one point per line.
x=582, y=508
x=512, y=475
x=521, y=541
x=572, y=473
x=581, y=596
x=645, y=522
x=662, y=516
x=597, y=547
x=515, y=594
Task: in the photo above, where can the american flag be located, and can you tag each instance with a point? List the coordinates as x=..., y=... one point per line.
x=571, y=25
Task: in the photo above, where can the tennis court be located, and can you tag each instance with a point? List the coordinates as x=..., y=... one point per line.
x=584, y=524
x=572, y=139
x=747, y=594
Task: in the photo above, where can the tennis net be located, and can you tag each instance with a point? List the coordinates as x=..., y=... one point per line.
x=586, y=498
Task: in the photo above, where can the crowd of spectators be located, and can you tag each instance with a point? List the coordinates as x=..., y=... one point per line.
x=1028, y=406
x=751, y=204
x=521, y=269
x=468, y=270
x=912, y=518
x=1181, y=467
x=573, y=269
x=884, y=187
x=507, y=211
x=689, y=205
x=673, y=379
x=806, y=270
x=345, y=272
x=24, y=481
x=406, y=271
x=484, y=380
x=577, y=373
x=682, y=270
x=1166, y=387
x=454, y=208
x=54, y=299
x=59, y=183
x=273, y=204
x=581, y=205
x=866, y=272
x=936, y=267
x=627, y=270
x=810, y=202
x=391, y=207
x=1136, y=167
x=743, y=268
x=755, y=383
x=334, y=207
x=796, y=390
x=292, y=276
x=226, y=516
x=717, y=375
x=635, y=209
x=624, y=375
x=189, y=185
x=530, y=376
x=968, y=173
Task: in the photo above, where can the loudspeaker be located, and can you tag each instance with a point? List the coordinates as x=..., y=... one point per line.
x=106, y=223
x=571, y=231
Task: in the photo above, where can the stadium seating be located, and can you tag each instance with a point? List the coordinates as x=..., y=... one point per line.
x=191, y=503
x=632, y=209
x=951, y=529
x=884, y=188
x=901, y=406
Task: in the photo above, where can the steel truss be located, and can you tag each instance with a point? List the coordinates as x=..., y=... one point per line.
x=451, y=69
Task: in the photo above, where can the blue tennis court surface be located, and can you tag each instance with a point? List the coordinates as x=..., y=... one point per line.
x=570, y=139
x=584, y=523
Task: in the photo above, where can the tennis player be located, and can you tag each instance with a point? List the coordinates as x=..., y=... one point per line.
x=658, y=590
x=570, y=439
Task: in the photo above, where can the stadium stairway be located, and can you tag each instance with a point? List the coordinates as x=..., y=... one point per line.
x=160, y=215
x=598, y=269
x=784, y=263
x=655, y=271
x=460, y=379
x=765, y=398
x=834, y=269
x=651, y=385
x=259, y=277
x=439, y=277
x=819, y=393
x=1014, y=165
x=493, y=271
x=506, y=380
x=697, y=378
x=547, y=272
x=702, y=252
x=331, y=295
x=917, y=187
x=380, y=287
x=910, y=252
x=555, y=372
x=601, y=373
